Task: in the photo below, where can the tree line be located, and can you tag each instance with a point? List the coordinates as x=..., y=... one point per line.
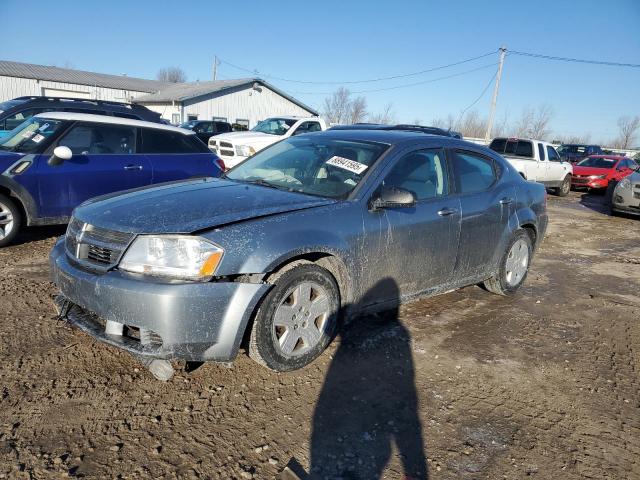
x=344, y=108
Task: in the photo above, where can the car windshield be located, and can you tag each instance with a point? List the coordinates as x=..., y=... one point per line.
x=598, y=162
x=27, y=137
x=274, y=126
x=315, y=166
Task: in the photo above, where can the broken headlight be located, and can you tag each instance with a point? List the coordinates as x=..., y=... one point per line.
x=182, y=257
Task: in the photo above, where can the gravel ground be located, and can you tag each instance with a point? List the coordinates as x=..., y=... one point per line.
x=469, y=384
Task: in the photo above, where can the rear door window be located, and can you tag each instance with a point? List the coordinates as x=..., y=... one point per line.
x=474, y=172
x=165, y=141
x=541, y=151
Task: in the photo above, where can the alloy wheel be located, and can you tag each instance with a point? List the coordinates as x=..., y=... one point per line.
x=301, y=319
x=517, y=262
x=6, y=221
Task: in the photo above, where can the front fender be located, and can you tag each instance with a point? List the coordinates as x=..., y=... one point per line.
x=24, y=197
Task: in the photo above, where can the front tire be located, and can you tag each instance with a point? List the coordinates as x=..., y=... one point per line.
x=564, y=189
x=10, y=220
x=297, y=319
x=514, y=266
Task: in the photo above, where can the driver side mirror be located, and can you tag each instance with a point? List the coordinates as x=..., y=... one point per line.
x=60, y=154
x=392, y=197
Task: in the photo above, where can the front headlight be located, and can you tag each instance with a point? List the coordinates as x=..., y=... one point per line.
x=182, y=257
x=597, y=177
x=624, y=184
x=244, y=150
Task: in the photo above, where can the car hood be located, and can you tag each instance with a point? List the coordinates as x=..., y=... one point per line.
x=190, y=206
x=237, y=137
x=577, y=170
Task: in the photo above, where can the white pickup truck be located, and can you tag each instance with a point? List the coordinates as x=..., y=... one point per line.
x=536, y=160
x=235, y=147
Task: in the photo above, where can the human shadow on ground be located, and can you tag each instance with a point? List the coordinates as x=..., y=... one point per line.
x=368, y=403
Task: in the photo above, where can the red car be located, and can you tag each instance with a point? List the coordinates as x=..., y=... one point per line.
x=596, y=171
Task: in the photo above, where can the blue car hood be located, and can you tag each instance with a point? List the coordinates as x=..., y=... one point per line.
x=190, y=206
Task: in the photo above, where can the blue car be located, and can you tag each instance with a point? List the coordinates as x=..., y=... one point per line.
x=53, y=162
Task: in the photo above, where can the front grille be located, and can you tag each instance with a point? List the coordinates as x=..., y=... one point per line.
x=580, y=179
x=226, y=145
x=226, y=153
x=94, y=246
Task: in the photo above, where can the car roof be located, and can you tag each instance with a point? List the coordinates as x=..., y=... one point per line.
x=389, y=136
x=89, y=117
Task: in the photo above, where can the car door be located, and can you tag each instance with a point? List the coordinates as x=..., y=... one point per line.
x=417, y=245
x=557, y=170
x=176, y=156
x=104, y=161
x=486, y=206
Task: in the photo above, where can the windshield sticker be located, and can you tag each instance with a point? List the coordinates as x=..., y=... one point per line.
x=38, y=138
x=28, y=134
x=346, y=164
x=43, y=127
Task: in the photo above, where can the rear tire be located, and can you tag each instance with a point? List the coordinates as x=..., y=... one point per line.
x=514, y=266
x=564, y=189
x=297, y=319
x=10, y=220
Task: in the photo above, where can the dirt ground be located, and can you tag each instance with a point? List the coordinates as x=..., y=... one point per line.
x=472, y=385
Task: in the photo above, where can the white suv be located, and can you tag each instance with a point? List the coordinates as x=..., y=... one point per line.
x=536, y=160
x=236, y=147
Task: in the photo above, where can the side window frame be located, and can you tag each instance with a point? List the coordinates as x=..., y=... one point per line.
x=401, y=155
x=557, y=158
x=541, y=152
x=497, y=171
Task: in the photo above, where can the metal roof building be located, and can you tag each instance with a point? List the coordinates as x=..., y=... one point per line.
x=244, y=101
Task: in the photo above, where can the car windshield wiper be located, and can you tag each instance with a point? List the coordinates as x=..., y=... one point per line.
x=259, y=181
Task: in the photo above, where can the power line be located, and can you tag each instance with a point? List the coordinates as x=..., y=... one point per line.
x=405, y=85
x=479, y=96
x=350, y=82
x=574, y=60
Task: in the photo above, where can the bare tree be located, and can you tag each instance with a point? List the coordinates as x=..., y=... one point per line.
x=171, y=75
x=472, y=125
x=384, y=117
x=500, y=127
x=447, y=123
x=628, y=130
x=534, y=123
x=569, y=139
x=337, y=106
x=358, y=110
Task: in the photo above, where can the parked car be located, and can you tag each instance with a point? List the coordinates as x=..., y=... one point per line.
x=234, y=148
x=412, y=128
x=290, y=241
x=52, y=162
x=536, y=160
x=574, y=153
x=14, y=112
x=596, y=171
x=205, y=129
x=626, y=195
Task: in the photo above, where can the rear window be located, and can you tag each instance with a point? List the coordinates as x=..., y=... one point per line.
x=512, y=146
x=165, y=141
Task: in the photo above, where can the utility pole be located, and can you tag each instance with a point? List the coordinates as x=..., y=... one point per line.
x=492, y=112
x=215, y=67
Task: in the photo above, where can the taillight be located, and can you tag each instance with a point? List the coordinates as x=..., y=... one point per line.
x=220, y=163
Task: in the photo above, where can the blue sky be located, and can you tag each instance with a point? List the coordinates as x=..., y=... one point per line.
x=354, y=40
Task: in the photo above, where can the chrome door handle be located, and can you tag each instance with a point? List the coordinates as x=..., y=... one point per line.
x=133, y=167
x=446, y=211
x=506, y=201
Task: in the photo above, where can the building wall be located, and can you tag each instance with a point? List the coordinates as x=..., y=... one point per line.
x=12, y=87
x=245, y=103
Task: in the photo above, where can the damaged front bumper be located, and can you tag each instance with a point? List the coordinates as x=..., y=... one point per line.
x=190, y=321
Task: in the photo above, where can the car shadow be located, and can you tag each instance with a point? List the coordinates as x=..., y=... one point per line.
x=368, y=404
x=33, y=234
x=595, y=201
